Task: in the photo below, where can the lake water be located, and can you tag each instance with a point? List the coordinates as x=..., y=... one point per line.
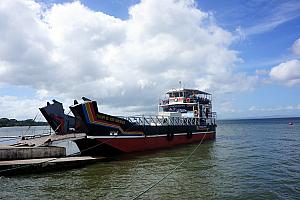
x=9, y=135
x=250, y=159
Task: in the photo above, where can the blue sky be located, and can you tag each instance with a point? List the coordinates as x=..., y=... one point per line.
x=256, y=41
x=266, y=47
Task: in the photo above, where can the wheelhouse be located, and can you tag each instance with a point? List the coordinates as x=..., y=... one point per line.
x=186, y=103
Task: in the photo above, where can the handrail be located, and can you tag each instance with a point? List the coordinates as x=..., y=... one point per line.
x=158, y=120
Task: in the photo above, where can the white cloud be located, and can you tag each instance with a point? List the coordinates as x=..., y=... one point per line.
x=276, y=16
x=272, y=109
x=262, y=71
x=287, y=72
x=69, y=50
x=240, y=34
x=20, y=108
x=296, y=47
x=227, y=106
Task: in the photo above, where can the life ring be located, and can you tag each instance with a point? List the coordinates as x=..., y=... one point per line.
x=195, y=113
x=176, y=99
x=188, y=100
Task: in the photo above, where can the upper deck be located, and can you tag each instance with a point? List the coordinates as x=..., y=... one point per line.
x=187, y=103
x=186, y=96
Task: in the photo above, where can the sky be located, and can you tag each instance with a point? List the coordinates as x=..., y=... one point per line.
x=127, y=54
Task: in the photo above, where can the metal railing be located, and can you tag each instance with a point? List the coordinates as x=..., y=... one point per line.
x=201, y=101
x=157, y=120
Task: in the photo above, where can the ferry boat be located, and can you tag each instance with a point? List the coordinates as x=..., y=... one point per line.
x=184, y=116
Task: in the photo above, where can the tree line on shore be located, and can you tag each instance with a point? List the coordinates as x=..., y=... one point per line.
x=5, y=122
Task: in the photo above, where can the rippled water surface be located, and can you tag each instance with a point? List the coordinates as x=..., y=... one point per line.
x=250, y=159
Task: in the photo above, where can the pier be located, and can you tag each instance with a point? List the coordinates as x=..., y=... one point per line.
x=41, y=165
x=21, y=153
x=34, y=154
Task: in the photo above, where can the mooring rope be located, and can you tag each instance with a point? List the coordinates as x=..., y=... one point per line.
x=76, y=153
x=174, y=169
x=30, y=125
x=95, y=145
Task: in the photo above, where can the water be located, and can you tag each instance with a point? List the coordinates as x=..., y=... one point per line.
x=10, y=135
x=250, y=159
x=24, y=130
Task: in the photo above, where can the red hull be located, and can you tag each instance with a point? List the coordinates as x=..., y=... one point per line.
x=135, y=144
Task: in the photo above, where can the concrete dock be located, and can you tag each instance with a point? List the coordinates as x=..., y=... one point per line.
x=44, y=140
x=40, y=165
x=36, y=155
x=20, y=153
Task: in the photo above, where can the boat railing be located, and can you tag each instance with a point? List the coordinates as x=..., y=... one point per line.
x=157, y=120
x=200, y=100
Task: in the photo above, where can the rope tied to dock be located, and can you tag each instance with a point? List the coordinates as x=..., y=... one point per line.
x=174, y=169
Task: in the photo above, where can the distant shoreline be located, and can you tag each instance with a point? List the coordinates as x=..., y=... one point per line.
x=258, y=118
x=5, y=122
